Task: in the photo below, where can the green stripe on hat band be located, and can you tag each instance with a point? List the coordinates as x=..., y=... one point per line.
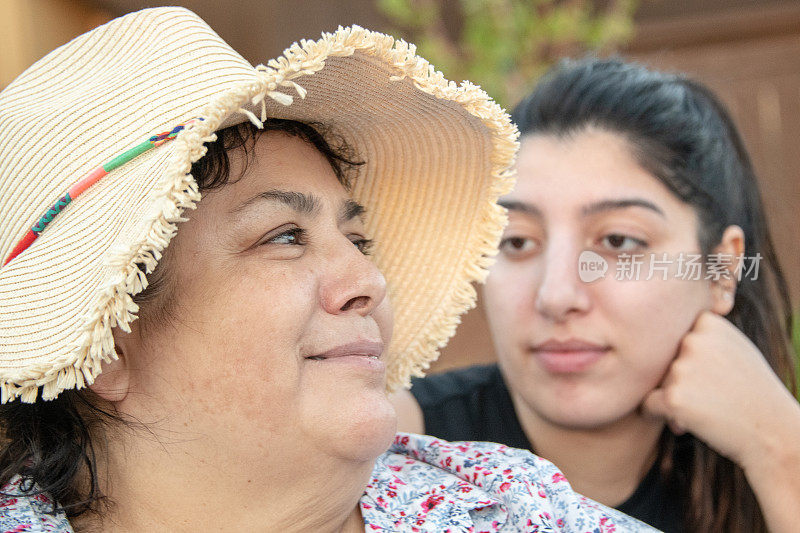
x=124, y=157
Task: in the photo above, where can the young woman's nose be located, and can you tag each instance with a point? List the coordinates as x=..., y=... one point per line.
x=561, y=293
x=352, y=282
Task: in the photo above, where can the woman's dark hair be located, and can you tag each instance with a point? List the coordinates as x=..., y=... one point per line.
x=56, y=445
x=681, y=133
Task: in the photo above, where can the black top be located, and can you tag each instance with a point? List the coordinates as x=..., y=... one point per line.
x=474, y=404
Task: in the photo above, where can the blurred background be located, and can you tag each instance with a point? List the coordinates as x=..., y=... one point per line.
x=748, y=51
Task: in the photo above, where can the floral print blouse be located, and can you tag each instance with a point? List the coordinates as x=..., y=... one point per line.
x=425, y=484
x=422, y=484
x=22, y=513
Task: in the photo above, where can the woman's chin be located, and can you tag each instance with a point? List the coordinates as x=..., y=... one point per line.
x=372, y=428
x=587, y=416
x=356, y=427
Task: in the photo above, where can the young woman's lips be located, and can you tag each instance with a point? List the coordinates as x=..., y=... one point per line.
x=568, y=357
x=362, y=353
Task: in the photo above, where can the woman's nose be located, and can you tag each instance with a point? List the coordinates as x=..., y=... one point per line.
x=561, y=293
x=352, y=282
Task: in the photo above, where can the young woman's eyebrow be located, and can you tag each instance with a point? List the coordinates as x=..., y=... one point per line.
x=612, y=205
x=350, y=209
x=521, y=207
x=298, y=201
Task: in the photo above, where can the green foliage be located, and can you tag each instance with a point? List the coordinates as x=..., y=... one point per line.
x=505, y=45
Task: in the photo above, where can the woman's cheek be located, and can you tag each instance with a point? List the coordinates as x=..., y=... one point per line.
x=493, y=293
x=650, y=318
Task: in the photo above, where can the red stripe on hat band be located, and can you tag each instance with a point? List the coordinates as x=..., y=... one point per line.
x=90, y=179
x=23, y=244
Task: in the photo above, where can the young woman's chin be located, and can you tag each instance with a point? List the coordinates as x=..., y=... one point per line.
x=586, y=401
x=589, y=416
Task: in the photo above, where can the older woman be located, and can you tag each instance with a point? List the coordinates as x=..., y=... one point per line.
x=250, y=394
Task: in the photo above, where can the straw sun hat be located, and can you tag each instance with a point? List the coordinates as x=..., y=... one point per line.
x=89, y=200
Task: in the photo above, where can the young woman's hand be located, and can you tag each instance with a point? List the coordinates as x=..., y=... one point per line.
x=721, y=389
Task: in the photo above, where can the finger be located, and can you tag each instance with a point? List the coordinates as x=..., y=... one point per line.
x=707, y=320
x=655, y=405
x=676, y=428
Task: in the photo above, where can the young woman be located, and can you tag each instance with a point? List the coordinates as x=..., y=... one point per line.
x=251, y=393
x=635, y=351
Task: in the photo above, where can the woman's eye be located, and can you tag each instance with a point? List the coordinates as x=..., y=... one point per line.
x=364, y=245
x=515, y=246
x=295, y=236
x=616, y=242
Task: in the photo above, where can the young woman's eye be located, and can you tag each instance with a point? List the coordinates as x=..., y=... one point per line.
x=364, y=245
x=617, y=242
x=517, y=246
x=293, y=236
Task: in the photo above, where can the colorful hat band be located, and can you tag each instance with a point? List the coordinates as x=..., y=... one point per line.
x=90, y=179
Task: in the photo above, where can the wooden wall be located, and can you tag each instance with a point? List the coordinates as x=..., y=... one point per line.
x=31, y=28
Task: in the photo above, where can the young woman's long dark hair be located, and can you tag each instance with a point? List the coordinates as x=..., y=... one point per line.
x=683, y=135
x=57, y=446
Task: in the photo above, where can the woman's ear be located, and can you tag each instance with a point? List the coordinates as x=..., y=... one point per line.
x=113, y=383
x=726, y=260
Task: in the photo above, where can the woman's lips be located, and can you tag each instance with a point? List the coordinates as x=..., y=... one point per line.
x=568, y=357
x=361, y=353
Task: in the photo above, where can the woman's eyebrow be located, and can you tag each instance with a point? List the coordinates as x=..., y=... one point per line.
x=611, y=205
x=350, y=209
x=298, y=201
x=521, y=207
